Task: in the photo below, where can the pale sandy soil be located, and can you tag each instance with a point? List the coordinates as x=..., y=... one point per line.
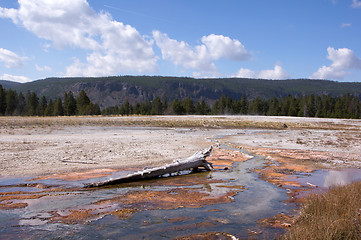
x=78, y=148
x=37, y=146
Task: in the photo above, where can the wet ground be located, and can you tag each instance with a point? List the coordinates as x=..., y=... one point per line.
x=250, y=194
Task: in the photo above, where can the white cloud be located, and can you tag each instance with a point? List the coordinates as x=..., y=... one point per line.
x=114, y=47
x=343, y=59
x=276, y=73
x=220, y=46
x=200, y=57
x=180, y=53
x=344, y=25
x=246, y=73
x=13, y=78
x=356, y=4
x=43, y=68
x=11, y=59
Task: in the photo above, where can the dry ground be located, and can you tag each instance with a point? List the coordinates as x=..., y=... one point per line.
x=36, y=146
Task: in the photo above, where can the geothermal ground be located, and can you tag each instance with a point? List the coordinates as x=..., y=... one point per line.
x=263, y=167
x=37, y=146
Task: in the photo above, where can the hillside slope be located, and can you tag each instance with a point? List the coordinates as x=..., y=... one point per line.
x=110, y=91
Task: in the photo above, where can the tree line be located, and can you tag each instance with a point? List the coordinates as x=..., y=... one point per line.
x=18, y=104
x=324, y=106
x=347, y=106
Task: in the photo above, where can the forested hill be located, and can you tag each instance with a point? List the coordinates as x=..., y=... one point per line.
x=111, y=91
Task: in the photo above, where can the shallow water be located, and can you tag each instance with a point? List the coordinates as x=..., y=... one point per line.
x=329, y=178
x=233, y=202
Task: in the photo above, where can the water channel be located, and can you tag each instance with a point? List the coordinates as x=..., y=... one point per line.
x=233, y=201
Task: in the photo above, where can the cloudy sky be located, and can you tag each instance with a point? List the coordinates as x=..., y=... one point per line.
x=271, y=39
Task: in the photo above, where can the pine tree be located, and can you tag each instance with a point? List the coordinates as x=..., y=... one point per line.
x=177, y=107
x=146, y=108
x=294, y=107
x=69, y=104
x=20, y=105
x=125, y=109
x=58, y=108
x=2, y=101
x=202, y=108
x=164, y=103
x=49, y=110
x=157, y=108
x=42, y=106
x=82, y=101
x=274, y=107
x=11, y=102
x=32, y=102
x=244, y=105
x=188, y=106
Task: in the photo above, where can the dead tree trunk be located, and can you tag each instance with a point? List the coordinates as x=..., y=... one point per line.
x=193, y=162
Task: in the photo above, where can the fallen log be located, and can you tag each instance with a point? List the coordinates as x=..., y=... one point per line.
x=193, y=162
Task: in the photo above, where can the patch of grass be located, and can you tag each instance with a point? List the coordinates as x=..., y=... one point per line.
x=166, y=121
x=149, y=121
x=335, y=214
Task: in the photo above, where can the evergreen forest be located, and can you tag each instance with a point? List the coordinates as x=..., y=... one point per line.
x=323, y=106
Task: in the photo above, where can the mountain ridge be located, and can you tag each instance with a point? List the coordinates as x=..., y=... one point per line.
x=110, y=91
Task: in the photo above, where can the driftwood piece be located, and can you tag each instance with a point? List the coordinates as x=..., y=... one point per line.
x=193, y=162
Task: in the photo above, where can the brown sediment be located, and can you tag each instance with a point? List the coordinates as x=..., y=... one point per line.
x=192, y=226
x=128, y=204
x=74, y=216
x=178, y=181
x=134, y=202
x=238, y=187
x=283, y=165
x=207, y=236
x=76, y=176
x=21, y=197
x=83, y=215
x=214, y=210
x=7, y=200
x=11, y=205
x=172, y=199
x=281, y=220
x=124, y=213
x=179, y=219
x=221, y=158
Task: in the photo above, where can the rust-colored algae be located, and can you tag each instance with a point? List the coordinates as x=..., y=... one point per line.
x=279, y=221
x=21, y=197
x=171, y=199
x=221, y=158
x=126, y=205
x=184, y=180
x=208, y=236
x=7, y=199
x=237, y=188
x=15, y=199
x=124, y=213
x=75, y=216
x=75, y=176
x=180, y=219
x=11, y=205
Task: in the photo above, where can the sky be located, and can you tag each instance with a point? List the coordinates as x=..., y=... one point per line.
x=270, y=39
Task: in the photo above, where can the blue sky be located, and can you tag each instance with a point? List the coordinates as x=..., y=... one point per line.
x=271, y=39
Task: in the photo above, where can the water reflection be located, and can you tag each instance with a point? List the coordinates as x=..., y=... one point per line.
x=330, y=178
x=341, y=177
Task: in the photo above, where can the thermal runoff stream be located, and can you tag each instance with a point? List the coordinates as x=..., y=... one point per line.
x=230, y=202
